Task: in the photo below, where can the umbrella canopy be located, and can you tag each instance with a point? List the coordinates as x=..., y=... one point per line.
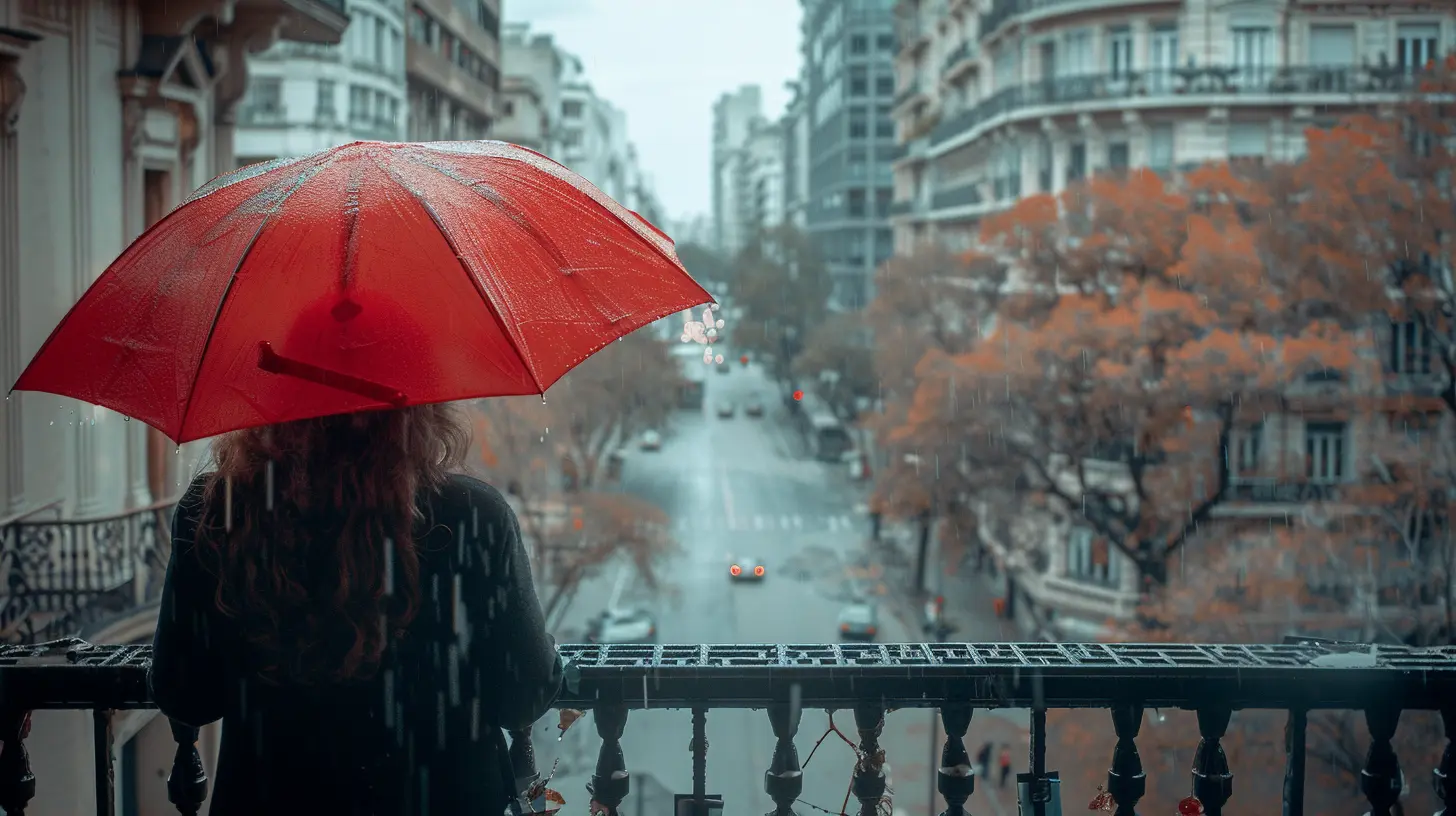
x=371, y=275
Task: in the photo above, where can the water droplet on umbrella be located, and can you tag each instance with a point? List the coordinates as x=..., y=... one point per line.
x=718, y=359
x=720, y=324
x=178, y=451
x=712, y=334
x=123, y=419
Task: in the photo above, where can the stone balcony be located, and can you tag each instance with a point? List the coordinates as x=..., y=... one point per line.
x=870, y=683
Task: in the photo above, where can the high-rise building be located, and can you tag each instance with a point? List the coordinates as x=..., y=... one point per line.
x=532, y=68
x=304, y=97
x=848, y=88
x=795, y=129
x=452, y=62
x=734, y=115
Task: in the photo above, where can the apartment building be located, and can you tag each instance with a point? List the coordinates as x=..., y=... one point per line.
x=734, y=117
x=1006, y=98
x=452, y=68
x=1002, y=99
x=763, y=175
x=304, y=97
x=111, y=112
x=849, y=53
x=532, y=70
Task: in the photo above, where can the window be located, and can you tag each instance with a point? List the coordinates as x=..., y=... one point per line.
x=1076, y=162
x=571, y=138
x=1077, y=55
x=1415, y=45
x=1160, y=147
x=1119, y=53
x=1162, y=58
x=884, y=125
x=859, y=126
x=266, y=96
x=1410, y=348
x=358, y=103
x=885, y=42
x=325, y=108
x=1044, y=165
x=1248, y=140
x=1253, y=55
x=508, y=107
x=381, y=37
x=571, y=109
x=1117, y=155
x=1324, y=452
x=883, y=196
x=856, y=206
x=859, y=81
x=1331, y=46
x=1090, y=558
x=1244, y=454
x=885, y=85
x=859, y=44
x=1416, y=425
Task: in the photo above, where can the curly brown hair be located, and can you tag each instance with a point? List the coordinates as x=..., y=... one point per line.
x=308, y=527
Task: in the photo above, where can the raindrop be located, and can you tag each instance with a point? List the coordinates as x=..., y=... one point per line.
x=123, y=419
x=178, y=451
x=719, y=324
x=713, y=306
x=712, y=334
x=718, y=359
x=53, y=422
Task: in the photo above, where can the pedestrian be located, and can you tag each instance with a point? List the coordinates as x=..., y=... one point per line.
x=998, y=605
x=983, y=760
x=320, y=576
x=1005, y=765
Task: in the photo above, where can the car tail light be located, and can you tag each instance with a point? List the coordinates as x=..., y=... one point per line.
x=844, y=627
x=758, y=571
x=735, y=570
x=652, y=631
x=870, y=630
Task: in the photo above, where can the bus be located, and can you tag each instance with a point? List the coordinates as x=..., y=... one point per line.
x=693, y=372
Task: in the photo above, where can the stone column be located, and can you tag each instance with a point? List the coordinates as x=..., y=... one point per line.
x=82, y=273
x=12, y=93
x=133, y=209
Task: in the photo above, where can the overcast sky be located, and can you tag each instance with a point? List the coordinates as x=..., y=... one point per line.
x=664, y=62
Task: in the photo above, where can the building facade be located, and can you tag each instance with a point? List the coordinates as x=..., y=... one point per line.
x=734, y=116
x=795, y=128
x=849, y=87
x=304, y=97
x=111, y=112
x=763, y=175
x=532, y=68
x=1004, y=99
x=452, y=68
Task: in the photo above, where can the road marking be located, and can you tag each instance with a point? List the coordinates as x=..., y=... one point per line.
x=727, y=496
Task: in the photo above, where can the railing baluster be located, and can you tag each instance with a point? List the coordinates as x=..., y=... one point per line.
x=17, y=783
x=868, y=784
x=1038, y=781
x=1213, y=782
x=1381, y=780
x=700, y=761
x=105, y=768
x=1443, y=777
x=611, y=782
x=1125, y=779
x=187, y=784
x=1294, y=732
x=956, y=777
x=784, y=779
x=523, y=766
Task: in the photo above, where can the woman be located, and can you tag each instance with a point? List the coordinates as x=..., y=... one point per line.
x=362, y=620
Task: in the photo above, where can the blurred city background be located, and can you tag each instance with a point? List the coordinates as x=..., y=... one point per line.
x=1038, y=320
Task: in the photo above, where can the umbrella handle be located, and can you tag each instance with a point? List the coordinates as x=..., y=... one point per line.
x=275, y=363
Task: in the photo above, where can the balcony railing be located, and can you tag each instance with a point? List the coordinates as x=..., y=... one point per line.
x=1192, y=81
x=907, y=93
x=963, y=195
x=1279, y=491
x=870, y=681
x=1003, y=10
x=961, y=53
x=64, y=575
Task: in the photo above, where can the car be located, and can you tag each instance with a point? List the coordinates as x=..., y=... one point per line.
x=744, y=568
x=651, y=441
x=725, y=410
x=859, y=621
x=724, y=368
x=754, y=406
x=622, y=626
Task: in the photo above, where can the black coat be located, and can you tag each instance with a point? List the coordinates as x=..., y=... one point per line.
x=423, y=736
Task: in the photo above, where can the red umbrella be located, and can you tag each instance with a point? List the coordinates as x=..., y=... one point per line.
x=371, y=275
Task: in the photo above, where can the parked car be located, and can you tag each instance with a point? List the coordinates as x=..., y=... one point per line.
x=754, y=406
x=651, y=441
x=725, y=409
x=622, y=626
x=859, y=621
x=746, y=569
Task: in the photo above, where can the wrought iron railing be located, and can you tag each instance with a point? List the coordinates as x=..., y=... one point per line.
x=62, y=575
x=1269, y=490
x=962, y=195
x=870, y=681
x=1190, y=81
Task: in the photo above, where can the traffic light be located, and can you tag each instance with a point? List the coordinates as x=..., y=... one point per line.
x=743, y=360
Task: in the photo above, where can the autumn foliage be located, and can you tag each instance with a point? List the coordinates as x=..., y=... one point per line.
x=1126, y=356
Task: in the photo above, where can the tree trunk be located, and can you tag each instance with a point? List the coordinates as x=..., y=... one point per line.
x=922, y=553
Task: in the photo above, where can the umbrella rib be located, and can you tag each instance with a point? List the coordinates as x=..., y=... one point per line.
x=465, y=267
x=303, y=179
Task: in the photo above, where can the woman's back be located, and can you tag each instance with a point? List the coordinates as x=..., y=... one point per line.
x=419, y=735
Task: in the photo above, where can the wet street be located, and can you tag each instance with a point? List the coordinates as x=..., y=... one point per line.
x=742, y=487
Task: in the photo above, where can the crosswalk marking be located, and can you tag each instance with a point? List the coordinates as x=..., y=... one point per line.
x=842, y=523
